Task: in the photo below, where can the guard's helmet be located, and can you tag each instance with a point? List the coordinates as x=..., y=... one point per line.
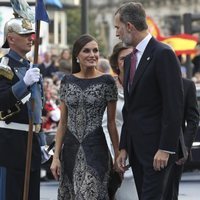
x=18, y=25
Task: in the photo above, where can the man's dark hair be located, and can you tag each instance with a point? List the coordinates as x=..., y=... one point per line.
x=134, y=13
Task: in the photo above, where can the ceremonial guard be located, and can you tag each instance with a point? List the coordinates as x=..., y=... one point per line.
x=20, y=100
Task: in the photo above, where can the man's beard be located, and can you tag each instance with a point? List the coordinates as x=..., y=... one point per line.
x=127, y=41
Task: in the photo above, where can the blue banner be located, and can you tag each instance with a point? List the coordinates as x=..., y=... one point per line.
x=40, y=12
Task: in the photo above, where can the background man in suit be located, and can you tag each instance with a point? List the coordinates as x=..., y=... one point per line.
x=153, y=104
x=189, y=126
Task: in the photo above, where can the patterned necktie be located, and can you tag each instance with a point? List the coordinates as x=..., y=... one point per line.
x=133, y=66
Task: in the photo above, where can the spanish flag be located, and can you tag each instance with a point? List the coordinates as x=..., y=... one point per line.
x=181, y=43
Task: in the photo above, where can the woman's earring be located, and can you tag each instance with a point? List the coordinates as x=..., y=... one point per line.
x=77, y=60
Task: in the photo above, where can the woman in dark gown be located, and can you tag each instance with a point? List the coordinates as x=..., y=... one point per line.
x=84, y=165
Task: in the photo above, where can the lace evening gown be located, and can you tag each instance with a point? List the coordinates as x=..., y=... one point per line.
x=85, y=155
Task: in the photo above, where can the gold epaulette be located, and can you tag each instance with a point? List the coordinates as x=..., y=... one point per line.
x=5, y=70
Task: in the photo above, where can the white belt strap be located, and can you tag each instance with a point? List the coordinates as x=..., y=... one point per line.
x=16, y=126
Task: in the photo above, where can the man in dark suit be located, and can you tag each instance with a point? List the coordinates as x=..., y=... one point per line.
x=153, y=104
x=189, y=125
x=47, y=67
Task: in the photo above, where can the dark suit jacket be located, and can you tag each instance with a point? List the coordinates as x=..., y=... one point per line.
x=190, y=117
x=189, y=126
x=153, y=106
x=47, y=71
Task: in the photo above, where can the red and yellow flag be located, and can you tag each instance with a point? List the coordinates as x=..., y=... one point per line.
x=181, y=43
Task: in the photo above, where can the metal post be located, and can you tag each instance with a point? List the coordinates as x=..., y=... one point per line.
x=56, y=27
x=84, y=16
x=188, y=67
x=187, y=22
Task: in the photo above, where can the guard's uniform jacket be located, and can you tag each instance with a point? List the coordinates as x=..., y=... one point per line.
x=13, y=141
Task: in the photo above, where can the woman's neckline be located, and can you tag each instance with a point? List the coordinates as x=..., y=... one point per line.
x=88, y=78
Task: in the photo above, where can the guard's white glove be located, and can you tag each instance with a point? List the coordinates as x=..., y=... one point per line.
x=32, y=76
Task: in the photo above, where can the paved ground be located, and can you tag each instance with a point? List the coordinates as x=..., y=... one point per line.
x=48, y=190
x=189, y=187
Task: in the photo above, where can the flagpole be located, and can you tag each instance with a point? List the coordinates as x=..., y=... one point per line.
x=36, y=41
x=30, y=132
x=28, y=154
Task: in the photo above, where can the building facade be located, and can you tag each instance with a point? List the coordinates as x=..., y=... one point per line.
x=167, y=14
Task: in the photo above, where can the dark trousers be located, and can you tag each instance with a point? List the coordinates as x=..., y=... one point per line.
x=150, y=184
x=14, y=184
x=2, y=183
x=172, y=183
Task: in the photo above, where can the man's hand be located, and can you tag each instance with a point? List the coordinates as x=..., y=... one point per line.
x=121, y=161
x=32, y=76
x=160, y=160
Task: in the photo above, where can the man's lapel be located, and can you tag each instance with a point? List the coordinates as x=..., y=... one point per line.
x=143, y=64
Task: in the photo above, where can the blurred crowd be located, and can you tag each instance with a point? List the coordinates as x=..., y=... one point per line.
x=52, y=68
